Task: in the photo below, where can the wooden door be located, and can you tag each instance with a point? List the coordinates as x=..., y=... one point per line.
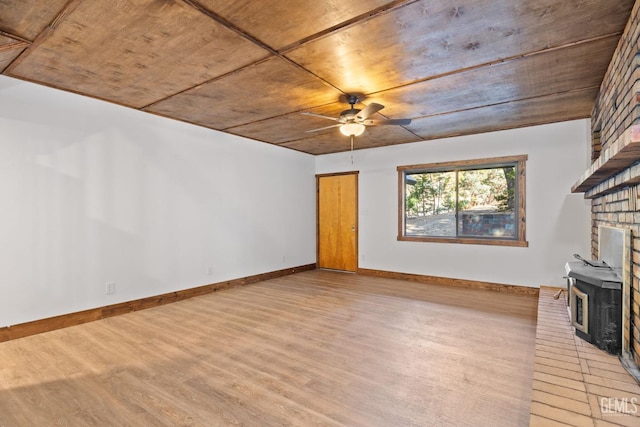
x=338, y=221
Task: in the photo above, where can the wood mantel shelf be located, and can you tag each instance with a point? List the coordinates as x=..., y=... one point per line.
x=618, y=156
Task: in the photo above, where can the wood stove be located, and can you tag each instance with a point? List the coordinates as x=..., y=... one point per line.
x=595, y=301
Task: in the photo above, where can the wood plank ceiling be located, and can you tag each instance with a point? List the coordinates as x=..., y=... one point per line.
x=250, y=68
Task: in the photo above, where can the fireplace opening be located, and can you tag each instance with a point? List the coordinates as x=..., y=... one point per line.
x=579, y=309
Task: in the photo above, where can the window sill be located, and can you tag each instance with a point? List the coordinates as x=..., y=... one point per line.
x=468, y=241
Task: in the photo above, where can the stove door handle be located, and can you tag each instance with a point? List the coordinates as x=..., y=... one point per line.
x=589, y=263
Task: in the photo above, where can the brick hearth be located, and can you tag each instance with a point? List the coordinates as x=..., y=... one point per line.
x=574, y=382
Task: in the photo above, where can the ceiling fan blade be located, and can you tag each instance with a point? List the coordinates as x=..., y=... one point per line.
x=306, y=113
x=401, y=122
x=326, y=127
x=369, y=110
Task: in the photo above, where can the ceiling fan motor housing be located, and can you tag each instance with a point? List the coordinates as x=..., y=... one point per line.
x=349, y=115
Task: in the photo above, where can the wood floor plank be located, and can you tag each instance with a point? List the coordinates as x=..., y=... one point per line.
x=315, y=348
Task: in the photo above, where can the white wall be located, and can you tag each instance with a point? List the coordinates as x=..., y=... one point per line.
x=558, y=222
x=93, y=192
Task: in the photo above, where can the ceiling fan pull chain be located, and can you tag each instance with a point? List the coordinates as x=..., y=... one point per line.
x=352, y=149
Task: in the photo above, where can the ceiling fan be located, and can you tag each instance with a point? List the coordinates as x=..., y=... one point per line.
x=353, y=122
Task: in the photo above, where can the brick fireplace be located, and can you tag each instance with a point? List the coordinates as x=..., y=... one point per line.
x=611, y=182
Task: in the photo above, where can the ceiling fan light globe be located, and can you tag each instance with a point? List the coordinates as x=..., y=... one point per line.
x=355, y=129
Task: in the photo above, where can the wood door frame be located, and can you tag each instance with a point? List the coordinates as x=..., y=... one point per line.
x=357, y=237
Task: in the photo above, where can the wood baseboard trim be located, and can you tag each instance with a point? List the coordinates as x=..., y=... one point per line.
x=8, y=333
x=446, y=281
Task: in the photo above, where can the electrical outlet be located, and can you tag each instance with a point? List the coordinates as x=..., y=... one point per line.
x=110, y=288
x=209, y=271
x=284, y=259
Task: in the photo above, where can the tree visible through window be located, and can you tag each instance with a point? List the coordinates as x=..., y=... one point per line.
x=472, y=201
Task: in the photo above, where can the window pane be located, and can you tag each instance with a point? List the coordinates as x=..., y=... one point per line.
x=430, y=204
x=486, y=202
x=473, y=201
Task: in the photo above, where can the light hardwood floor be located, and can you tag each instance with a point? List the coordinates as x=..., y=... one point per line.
x=314, y=348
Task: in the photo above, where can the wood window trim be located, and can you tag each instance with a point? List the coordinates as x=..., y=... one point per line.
x=520, y=161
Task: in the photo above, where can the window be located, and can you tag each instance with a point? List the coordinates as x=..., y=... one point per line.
x=471, y=201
